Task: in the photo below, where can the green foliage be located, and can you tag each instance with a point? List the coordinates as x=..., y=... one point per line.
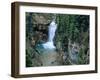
x=28, y=59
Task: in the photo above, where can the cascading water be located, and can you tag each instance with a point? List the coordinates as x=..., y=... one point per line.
x=51, y=33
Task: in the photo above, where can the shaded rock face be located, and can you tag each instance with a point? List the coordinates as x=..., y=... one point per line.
x=47, y=57
x=50, y=58
x=73, y=53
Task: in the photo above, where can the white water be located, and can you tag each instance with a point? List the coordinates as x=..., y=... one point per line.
x=51, y=33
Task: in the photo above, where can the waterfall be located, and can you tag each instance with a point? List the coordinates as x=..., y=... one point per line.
x=51, y=33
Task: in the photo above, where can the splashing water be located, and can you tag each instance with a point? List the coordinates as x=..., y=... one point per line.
x=51, y=33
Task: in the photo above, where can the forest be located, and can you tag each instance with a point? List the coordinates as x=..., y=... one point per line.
x=71, y=39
